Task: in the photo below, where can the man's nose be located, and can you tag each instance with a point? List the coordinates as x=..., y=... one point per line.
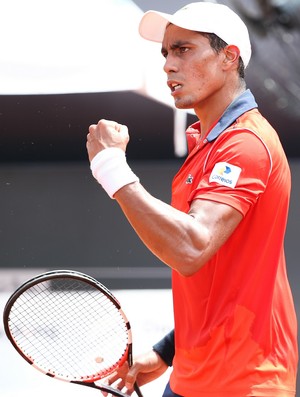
x=170, y=65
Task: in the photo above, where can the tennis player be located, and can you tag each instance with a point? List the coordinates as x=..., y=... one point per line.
x=223, y=234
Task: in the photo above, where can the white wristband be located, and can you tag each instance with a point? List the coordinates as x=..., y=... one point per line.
x=109, y=167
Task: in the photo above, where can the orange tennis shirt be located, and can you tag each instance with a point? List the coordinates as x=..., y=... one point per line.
x=235, y=322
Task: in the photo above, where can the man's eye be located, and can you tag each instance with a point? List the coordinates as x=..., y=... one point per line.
x=183, y=49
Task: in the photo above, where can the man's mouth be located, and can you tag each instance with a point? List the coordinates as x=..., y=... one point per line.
x=174, y=86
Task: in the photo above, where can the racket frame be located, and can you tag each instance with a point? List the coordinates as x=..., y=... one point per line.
x=71, y=274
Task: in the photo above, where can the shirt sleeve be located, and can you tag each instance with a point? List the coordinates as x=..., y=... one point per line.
x=165, y=348
x=243, y=151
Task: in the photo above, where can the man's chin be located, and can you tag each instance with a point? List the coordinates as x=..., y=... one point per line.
x=183, y=106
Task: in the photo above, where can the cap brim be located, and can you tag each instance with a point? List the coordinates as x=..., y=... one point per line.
x=153, y=25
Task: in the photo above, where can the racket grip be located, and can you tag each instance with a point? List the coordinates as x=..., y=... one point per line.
x=137, y=390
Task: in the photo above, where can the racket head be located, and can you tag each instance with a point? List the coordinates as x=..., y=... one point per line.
x=68, y=326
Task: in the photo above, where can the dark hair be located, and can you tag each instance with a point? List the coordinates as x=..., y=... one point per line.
x=218, y=44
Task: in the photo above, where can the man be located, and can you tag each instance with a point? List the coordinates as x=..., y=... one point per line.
x=223, y=234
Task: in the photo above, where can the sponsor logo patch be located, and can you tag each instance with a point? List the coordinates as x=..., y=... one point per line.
x=225, y=174
x=189, y=179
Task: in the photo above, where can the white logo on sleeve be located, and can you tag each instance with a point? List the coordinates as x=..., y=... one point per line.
x=225, y=174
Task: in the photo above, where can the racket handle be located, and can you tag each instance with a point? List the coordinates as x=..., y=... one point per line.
x=137, y=390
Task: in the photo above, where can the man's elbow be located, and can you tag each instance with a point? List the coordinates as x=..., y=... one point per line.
x=188, y=267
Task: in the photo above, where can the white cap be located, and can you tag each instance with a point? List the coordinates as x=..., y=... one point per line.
x=200, y=17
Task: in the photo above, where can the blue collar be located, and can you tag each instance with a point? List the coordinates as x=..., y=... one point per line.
x=239, y=106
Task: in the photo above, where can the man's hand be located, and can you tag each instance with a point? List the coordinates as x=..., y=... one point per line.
x=146, y=368
x=106, y=134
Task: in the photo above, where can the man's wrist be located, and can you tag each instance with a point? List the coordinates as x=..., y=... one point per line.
x=109, y=167
x=165, y=348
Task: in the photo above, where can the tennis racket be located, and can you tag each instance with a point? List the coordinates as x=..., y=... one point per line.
x=70, y=327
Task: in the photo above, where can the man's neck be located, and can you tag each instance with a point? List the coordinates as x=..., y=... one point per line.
x=212, y=109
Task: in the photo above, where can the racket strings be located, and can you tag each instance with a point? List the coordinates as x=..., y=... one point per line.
x=69, y=330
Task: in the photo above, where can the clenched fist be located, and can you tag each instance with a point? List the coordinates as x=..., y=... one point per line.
x=106, y=134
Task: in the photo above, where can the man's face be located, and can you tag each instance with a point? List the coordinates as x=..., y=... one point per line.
x=193, y=68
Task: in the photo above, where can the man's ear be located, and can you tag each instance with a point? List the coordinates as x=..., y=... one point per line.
x=232, y=55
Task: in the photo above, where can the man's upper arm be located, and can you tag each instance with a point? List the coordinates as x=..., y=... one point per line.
x=219, y=220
